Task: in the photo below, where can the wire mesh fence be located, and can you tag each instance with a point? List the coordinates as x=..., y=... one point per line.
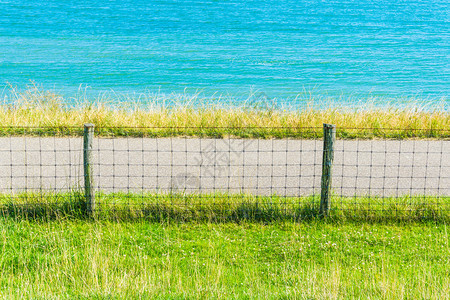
x=214, y=174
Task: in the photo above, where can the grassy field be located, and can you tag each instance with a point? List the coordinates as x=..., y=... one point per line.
x=180, y=117
x=220, y=246
x=285, y=260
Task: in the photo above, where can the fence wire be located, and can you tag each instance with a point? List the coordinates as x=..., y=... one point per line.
x=141, y=173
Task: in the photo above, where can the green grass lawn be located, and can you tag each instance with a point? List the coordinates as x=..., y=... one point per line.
x=221, y=246
x=282, y=260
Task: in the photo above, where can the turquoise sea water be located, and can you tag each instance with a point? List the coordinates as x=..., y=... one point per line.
x=342, y=50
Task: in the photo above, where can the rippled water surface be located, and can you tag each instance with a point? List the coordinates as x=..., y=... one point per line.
x=338, y=49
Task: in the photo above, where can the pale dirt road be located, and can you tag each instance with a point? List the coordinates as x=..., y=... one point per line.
x=283, y=167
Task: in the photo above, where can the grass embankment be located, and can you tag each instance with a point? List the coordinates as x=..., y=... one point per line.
x=222, y=207
x=35, y=108
x=286, y=260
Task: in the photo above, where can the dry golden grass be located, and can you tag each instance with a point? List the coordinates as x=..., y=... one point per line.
x=37, y=108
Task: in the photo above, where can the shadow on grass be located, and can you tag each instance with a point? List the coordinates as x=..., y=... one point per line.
x=215, y=208
x=218, y=212
x=34, y=206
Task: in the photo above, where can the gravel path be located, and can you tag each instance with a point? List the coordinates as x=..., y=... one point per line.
x=284, y=167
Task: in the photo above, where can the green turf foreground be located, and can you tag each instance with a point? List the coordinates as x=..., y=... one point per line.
x=221, y=246
x=285, y=260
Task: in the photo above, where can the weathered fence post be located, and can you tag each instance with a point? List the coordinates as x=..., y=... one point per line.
x=329, y=136
x=88, y=138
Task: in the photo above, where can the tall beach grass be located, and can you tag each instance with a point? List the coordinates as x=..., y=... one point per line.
x=162, y=115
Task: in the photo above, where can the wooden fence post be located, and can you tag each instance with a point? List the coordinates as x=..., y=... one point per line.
x=329, y=137
x=88, y=138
